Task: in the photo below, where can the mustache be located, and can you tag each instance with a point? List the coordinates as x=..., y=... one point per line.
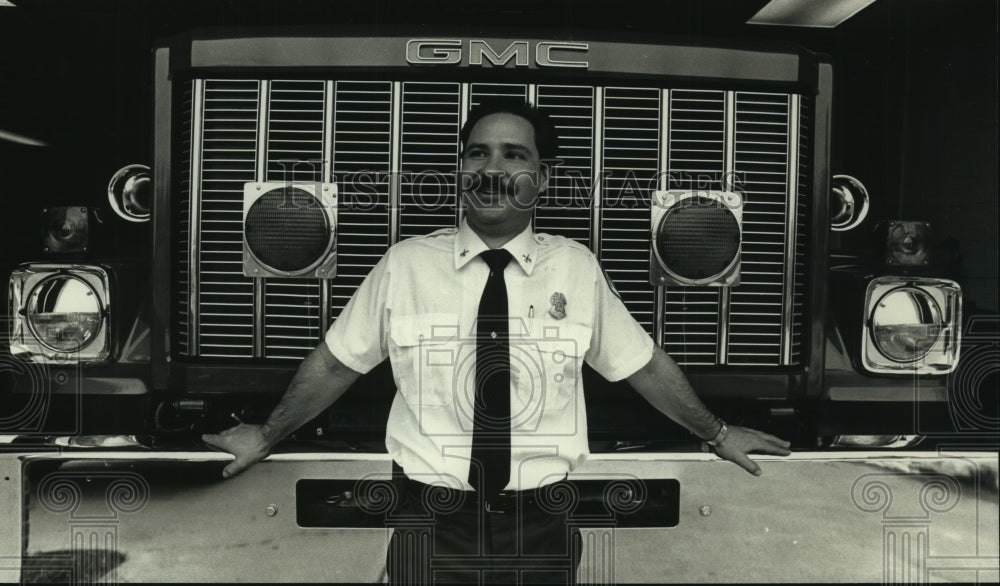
x=488, y=183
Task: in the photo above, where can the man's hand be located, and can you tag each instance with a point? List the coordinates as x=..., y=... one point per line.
x=663, y=384
x=319, y=381
x=244, y=441
x=742, y=441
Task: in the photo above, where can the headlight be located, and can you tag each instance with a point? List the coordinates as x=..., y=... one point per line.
x=906, y=323
x=64, y=313
x=60, y=313
x=912, y=325
x=696, y=238
x=290, y=230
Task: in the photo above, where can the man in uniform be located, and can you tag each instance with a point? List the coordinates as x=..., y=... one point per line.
x=486, y=327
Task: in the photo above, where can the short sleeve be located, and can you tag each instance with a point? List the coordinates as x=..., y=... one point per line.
x=619, y=346
x=358, y=337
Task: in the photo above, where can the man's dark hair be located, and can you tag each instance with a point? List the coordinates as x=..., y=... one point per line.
x=545, y=132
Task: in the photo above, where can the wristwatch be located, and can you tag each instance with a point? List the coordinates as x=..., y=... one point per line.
x=719, y=437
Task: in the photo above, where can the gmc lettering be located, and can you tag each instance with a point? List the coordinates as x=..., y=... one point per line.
x=449, y=52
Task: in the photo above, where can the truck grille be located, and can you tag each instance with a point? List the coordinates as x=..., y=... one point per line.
x=392, y=147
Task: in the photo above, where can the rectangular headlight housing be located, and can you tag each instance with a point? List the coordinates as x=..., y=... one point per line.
x=60, y=313
x=912, y=325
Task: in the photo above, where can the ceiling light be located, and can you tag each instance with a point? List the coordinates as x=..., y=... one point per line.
x=808, y=13
x=17, y=138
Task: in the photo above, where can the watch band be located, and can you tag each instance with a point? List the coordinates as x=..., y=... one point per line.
x=719, y=437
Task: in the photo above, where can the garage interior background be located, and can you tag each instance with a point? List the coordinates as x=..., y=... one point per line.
x=915, y=103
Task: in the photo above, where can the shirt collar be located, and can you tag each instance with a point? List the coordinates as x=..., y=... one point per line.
x=522, y=247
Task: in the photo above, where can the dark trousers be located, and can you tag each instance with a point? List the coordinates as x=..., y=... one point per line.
x=446, y=536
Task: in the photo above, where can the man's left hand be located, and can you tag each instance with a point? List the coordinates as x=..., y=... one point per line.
x=742, y=441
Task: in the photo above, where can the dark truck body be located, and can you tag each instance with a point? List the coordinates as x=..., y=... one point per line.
x=777, y=351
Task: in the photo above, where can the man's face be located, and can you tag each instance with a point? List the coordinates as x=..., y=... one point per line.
x=502, y=173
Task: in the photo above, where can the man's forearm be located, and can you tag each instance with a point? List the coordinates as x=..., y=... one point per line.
x=320, y=380
x=662, y=383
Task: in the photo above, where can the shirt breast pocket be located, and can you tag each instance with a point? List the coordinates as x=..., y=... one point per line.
x=424, y=354
x=547, y=364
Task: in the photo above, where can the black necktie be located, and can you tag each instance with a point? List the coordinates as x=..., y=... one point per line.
x=491, y=424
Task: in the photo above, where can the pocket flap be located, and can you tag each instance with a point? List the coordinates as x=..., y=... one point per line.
x=568, y=338
x=426, y=329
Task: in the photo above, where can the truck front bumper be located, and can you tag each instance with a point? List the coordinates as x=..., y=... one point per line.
x=811, y=517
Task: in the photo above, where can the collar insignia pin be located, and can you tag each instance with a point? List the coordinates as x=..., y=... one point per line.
x=526, y=257
x=558, y=309
x=464, y=252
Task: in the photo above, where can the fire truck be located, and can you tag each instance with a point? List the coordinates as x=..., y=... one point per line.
x=176, y=294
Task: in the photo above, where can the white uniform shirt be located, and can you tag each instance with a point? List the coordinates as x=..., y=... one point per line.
x=418, y=307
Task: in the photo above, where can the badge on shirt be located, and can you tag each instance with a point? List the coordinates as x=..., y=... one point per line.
x=558, y=309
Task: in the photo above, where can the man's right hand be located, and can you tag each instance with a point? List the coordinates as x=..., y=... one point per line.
x=244, y=441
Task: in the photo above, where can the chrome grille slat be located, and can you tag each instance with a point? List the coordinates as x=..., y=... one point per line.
x=428, y=192
x=565, y=207
x=362, y=113
x=801, y=234
x=294, y=153
x=629, y=168
x=230, y=138
x=753, y=125
x=696, y=147
x=183, y=237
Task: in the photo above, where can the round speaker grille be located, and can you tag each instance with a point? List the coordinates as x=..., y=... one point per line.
x=698, y=239
x=287, y=230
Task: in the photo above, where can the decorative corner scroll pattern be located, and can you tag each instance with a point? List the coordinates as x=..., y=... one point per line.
x=92, y=527
x=908, y=503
